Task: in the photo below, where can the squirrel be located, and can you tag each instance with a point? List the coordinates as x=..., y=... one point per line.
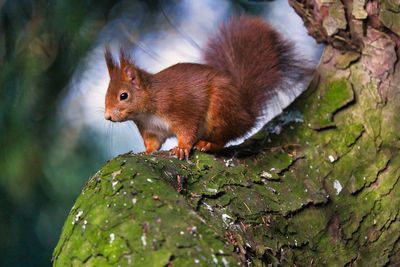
x=205, y=105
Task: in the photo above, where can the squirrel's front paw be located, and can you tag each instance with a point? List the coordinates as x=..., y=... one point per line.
x=180, y=152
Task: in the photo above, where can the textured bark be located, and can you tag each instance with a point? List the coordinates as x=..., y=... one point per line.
x=318, y=186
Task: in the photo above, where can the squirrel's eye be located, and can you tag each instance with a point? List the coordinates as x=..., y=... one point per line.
x=123, y=96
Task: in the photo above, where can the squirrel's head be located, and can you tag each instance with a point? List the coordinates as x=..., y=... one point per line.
x=127, y=94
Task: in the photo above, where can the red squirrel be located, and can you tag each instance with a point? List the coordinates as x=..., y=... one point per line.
x=205, y=105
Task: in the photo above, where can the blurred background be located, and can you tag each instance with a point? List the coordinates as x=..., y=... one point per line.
x=53, y=80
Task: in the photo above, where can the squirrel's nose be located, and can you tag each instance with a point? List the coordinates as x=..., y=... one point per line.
x=107, y=116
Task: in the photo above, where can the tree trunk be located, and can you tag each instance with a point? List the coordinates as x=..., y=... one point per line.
x=318, y=186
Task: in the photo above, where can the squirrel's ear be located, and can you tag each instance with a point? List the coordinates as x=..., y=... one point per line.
x=131, y=74
x=109, y=60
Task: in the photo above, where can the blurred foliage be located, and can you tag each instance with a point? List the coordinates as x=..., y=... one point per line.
x=41, y=43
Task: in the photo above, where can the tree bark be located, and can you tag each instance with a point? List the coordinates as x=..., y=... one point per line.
x=319, y=185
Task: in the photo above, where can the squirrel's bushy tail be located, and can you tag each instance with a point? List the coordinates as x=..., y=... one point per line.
x=262, y=63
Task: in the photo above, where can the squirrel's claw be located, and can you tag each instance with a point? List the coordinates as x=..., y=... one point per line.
x=180, y=153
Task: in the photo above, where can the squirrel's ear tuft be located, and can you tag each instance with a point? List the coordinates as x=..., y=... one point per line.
x=124, y=58
x=109, y=60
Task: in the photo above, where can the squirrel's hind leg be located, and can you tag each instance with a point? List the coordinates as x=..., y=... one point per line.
x=205, y=146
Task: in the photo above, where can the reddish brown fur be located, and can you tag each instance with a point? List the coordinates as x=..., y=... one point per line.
x=205, y=106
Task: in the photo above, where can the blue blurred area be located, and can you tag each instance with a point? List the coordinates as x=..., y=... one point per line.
x=52, y=86
x=175, y=33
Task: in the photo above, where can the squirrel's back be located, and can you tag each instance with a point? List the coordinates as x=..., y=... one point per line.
x=261, y=62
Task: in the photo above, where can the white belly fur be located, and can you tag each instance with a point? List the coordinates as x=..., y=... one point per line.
x=155, y=124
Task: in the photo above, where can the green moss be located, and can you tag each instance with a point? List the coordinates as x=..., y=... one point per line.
x=309, y=224
x=390, y=15
x=271, y=166
x=137, y=220
x=367, y=172
x=334, y=96
x=301, y=200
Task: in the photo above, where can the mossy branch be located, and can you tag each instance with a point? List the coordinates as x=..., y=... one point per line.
x=319, y=185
